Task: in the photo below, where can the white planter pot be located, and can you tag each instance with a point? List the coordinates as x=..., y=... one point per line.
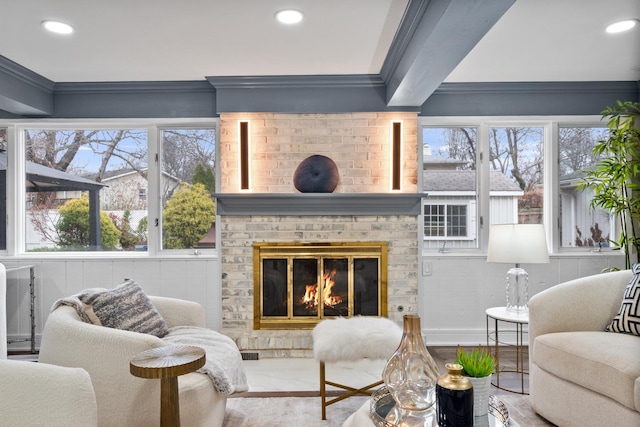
x=481, y=388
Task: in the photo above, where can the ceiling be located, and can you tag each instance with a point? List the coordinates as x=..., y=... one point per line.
x=169, y=40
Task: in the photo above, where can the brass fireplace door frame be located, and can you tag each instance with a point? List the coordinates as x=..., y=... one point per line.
x=290, y=250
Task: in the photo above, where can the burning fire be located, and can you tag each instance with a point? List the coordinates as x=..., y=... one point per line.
x=312, y=296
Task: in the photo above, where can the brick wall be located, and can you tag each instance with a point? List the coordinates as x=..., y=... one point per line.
x=359, y=145
x=357, y=142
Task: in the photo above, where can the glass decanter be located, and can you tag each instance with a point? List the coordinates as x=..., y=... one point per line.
x=411, y=374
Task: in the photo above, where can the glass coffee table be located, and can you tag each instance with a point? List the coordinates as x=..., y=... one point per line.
x=381, y=411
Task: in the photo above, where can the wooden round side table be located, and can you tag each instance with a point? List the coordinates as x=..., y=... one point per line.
x=167, y=363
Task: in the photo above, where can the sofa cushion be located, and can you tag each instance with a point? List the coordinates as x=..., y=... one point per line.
x=628, y=318
x=603, y=362
x=124, y=307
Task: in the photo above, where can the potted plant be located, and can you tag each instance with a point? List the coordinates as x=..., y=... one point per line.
x=615, y=179
x=478, y=365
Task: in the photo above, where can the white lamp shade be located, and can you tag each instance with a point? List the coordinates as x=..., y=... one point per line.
x=518, y=243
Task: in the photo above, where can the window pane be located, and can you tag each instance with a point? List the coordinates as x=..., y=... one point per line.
x=3, y=187
x=580, y=224
x=449, y=179
x=434, y=220
x=456, y=221
x=187, y=185
x=516, y=175
x=83, y=190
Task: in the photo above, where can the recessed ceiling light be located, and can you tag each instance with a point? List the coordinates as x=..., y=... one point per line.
x=57, y=27
x=289, y=16
x=620, y=26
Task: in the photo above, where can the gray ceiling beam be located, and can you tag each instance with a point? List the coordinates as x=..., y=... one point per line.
x=24, y=92
x=434, y=37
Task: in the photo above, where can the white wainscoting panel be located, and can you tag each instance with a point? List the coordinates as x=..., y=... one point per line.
x=195, y=279
x=457, y=290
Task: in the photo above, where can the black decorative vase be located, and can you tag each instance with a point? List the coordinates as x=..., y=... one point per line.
x=454, y=398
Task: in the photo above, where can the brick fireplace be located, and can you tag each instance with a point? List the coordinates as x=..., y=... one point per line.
x=361, y=209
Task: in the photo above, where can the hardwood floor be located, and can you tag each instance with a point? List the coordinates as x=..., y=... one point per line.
x=508, y=358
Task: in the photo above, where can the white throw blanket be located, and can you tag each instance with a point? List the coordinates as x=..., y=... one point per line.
x=224, y=362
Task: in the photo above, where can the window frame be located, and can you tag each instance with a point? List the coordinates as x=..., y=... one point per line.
x=470, y=234
x=551, y=208
x=16, y=194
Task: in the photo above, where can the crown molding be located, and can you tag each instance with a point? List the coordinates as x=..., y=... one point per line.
x=306, y=81
x=25, y=75
x=519, y=88
x=133, y=87
x=410, y=21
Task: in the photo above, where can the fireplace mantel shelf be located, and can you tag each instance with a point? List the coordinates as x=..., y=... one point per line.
x=319, y=203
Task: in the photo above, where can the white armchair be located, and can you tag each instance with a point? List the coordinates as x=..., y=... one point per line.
x=581, y=375
x=37, y=394
x=125, y=400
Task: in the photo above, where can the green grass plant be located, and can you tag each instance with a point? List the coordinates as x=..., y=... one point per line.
x=478, y=363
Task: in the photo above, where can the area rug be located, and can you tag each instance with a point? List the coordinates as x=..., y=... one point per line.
x=306, y=411
x=287, y=411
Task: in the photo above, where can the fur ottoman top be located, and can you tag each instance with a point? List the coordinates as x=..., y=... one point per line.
x=355, y=338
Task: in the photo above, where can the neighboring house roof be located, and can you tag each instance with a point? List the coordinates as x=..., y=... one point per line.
x=430, y=161
x=571, y=180
x=119, y=173
x=465, y=180
x=111, y=175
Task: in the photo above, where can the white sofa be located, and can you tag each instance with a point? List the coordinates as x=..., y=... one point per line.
x=125, y=400
x=581, y=375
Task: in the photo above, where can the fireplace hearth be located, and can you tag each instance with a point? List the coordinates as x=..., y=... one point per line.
x=298, y=284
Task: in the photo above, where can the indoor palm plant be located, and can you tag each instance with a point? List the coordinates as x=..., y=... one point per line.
x=615, y=179
x=478, y=365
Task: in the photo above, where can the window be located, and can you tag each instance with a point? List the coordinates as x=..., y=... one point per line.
x=520, y=170
x=580, y=225
x=82, y=185
x=108, y=186
x=446, y=221
x=516, y=175
x=187, y=186
x=450, y=179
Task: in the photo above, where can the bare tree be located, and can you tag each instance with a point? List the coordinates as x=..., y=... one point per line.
x=462, y=145
x=184, y=149
x=517, y=152
x=576, y=148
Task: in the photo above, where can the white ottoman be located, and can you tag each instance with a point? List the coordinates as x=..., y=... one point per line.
x=352, y=339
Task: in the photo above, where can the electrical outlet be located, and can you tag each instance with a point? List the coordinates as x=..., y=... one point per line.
x=426, y=268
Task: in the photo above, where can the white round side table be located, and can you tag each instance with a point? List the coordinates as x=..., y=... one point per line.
x=501, y=321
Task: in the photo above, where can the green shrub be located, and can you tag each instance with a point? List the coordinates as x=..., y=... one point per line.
x=73, y=226
x=187, y=217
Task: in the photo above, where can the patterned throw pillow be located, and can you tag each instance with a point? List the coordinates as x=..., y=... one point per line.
x=627, y=320
x=124, y=307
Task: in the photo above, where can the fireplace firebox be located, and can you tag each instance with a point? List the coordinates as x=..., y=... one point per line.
x=298, y=284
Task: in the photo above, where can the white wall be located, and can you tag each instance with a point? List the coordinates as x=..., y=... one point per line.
x=457, y=290
x=195, y=278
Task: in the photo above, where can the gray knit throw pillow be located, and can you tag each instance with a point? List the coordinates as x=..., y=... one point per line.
x=124, y=307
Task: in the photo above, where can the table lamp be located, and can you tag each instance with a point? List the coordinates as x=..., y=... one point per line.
x=517, y=243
